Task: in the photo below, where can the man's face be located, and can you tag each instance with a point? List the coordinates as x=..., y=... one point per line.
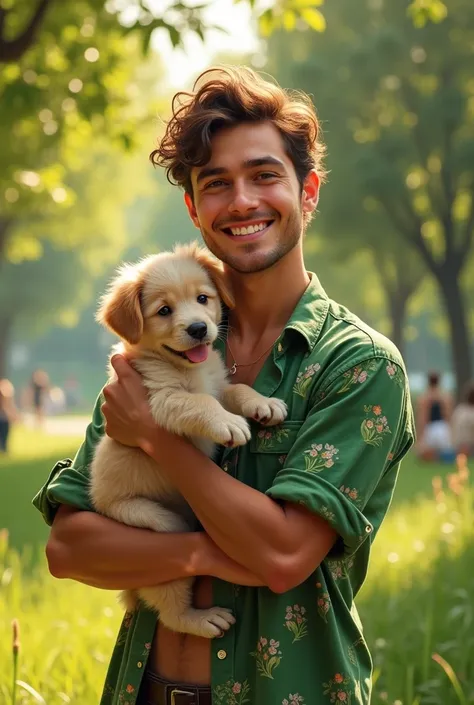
x=248, y=203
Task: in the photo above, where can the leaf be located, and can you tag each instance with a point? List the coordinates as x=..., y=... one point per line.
x=266, y=23
x=314, y=19
x=447, y=668
x=31, y=691
x=289, y=20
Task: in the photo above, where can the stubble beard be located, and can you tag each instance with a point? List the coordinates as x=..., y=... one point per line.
x=245, y=263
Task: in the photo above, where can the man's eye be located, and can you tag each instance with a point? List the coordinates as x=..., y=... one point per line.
x=266, y=175
x=202, y=299
x=165, y=311
x=215, y=184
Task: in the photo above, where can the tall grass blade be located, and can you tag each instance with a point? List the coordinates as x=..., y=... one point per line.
x=447, y=668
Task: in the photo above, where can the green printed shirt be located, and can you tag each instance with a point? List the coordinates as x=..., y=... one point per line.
x=338, y=453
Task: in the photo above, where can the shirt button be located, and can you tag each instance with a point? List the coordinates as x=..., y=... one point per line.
x=221, y=654
x=368, y=529
x=280, y=347
x=139, y=664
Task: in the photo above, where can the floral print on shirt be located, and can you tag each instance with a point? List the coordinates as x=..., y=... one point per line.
x=352, y=494
x=375, y=426
x=396, y=374
x=267, y=655
x=303, y=380
x=295, y=621
x=323, y=602
x=232, y=693
x=358, y=375
x=317, y=458
x=268, y=439
x=338, y=689
x=293, y=699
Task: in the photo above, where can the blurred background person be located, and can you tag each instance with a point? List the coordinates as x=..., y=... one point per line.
x=38, y=393
x=8, y=412
x=434, y=410
x=462, y=423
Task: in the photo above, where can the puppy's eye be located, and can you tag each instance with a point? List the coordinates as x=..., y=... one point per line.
x=202, y=299
x=164, y=311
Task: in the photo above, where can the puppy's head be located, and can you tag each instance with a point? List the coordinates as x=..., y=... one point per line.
x=169, y=303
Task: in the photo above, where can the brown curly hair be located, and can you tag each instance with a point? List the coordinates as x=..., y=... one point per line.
x=225, y=96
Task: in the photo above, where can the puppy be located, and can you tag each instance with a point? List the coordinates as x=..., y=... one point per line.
x=167, y=310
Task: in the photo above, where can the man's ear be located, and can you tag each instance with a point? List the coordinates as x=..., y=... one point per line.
x=191, y=210
x=120, y=309
x=310, y=195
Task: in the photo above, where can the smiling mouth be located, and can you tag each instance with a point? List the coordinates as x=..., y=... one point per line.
x=249, y=229
x=195, y=355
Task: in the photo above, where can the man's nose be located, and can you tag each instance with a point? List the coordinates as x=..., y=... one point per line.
x=244, y=199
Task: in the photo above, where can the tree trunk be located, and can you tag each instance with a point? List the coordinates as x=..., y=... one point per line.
x=397, y=305
x=4, y=227
x=456, y=313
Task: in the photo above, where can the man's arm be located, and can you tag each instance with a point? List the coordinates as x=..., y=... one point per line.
x=103, y=553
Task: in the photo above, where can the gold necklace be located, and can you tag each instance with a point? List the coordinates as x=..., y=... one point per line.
x=233, y=369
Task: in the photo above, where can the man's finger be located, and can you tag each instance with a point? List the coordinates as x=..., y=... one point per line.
x=120, y=365
x=126, y=375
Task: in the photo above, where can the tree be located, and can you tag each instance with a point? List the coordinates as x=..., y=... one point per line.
x=397, y=99
x=53, y=262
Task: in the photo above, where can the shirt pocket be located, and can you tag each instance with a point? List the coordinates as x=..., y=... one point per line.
x=268, y=450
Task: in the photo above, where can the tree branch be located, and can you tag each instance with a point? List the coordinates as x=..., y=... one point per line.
x=412, y=234
x=13, y=49
x=443, y=211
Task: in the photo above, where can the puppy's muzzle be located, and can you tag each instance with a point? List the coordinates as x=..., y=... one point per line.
x=198, y=330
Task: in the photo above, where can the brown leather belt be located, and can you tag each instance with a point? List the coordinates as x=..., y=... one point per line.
x=157, y=691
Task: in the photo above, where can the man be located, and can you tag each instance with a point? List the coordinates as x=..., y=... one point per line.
x=289, y=518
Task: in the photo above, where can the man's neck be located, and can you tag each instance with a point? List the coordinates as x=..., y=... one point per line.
x=265, y=300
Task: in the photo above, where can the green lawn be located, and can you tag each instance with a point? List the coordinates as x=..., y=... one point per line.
x=30, y=460
x=418, y=599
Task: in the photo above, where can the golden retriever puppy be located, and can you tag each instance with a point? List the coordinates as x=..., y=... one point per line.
x=167, y=311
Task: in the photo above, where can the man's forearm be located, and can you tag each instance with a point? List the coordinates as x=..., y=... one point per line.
x=103, y=553
x=247, y=525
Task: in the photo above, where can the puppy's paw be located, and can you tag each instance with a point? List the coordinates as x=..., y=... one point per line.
x=230, y=430
x=215, y=621
x=267, y=411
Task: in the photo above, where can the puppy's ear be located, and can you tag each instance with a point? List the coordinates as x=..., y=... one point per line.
x=215, y=270
x=120, y=309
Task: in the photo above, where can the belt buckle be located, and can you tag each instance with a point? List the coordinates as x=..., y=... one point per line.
x=177, y=691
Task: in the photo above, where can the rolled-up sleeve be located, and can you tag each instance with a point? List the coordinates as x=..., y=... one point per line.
x=344, y=462
x=68, y=482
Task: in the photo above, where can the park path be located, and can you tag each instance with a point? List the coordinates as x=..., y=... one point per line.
x=62, y=425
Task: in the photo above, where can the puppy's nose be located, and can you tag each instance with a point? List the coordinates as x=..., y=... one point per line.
x=197, y=330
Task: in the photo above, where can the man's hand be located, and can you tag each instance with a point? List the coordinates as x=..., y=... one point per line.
x=126, y=409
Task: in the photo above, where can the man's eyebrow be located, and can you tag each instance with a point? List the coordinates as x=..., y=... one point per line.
x=210, y=171
x=263, y=161
x=206, y=172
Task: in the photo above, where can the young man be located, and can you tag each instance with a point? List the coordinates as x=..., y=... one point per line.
x=289, y=518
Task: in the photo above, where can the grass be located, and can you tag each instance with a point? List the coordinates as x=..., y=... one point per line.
x=418, y=599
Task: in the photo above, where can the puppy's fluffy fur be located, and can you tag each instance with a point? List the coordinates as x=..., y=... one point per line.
x=152, y=307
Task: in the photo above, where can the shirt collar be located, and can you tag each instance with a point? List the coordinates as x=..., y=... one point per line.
x=309, y=314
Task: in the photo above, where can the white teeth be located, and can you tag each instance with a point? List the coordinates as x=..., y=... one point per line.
x=249, y=230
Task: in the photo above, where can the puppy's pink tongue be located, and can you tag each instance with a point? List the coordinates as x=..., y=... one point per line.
x=198, y=354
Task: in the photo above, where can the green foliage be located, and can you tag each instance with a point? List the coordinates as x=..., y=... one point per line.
x=396, y=104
